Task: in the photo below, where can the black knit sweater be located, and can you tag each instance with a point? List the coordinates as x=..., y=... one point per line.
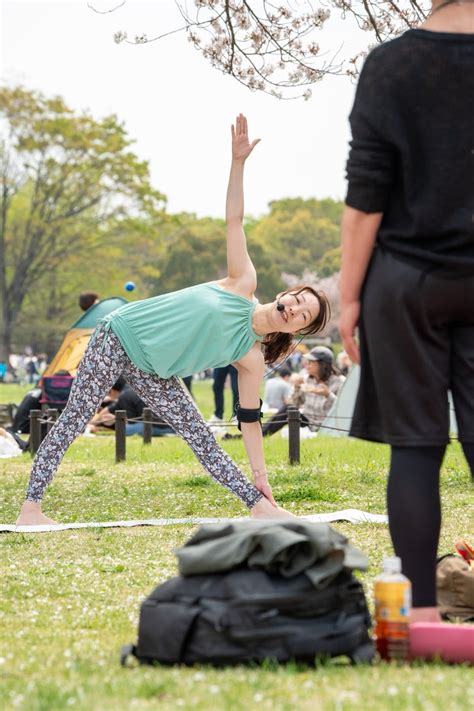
x=412, y=153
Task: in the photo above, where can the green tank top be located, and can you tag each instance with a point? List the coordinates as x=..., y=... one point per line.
x=185, y=331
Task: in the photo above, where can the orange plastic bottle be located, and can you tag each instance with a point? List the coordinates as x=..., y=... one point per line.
x=392, y=596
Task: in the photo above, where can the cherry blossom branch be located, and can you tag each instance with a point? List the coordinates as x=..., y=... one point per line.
x=271, y=47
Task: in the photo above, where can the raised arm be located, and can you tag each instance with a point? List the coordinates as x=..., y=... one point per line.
x=239, y=265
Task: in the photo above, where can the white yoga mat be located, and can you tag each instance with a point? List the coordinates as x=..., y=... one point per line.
x=350, y=515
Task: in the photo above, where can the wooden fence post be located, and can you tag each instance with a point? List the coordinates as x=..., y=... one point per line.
x=147, y=426
x=293, y=434
x=120, y=439
x=35, y=430
x=51, y=414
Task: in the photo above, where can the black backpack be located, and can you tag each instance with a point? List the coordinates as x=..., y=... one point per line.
x=248, y=616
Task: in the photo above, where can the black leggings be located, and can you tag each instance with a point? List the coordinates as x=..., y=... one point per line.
x=414, y=514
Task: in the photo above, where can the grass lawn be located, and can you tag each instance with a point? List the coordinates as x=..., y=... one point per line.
x=71, y=599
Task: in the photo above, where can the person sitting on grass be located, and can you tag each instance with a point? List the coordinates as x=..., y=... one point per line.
x=313, y=394
x=277, y=390
x=154, y=341
x=123, y=397
x=31, y=401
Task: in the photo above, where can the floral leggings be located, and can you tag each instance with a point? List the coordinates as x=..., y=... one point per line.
x=103, y=362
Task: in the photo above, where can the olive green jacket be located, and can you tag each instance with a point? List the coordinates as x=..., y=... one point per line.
x=286, y=547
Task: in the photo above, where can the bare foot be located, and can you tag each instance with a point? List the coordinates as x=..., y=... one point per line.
x=264, y=509
x=31, y=515
x=425, y=614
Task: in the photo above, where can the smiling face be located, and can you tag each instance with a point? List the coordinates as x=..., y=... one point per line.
x=301, y=309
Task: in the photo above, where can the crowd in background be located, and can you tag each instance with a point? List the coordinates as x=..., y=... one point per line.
x=24, y=368
x=309, y=381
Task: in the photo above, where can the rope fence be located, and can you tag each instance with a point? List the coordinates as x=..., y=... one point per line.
x=41, y=423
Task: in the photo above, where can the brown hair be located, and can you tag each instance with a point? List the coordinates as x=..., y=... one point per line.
x=87, y=299
x=325, y=371
x=277, y=345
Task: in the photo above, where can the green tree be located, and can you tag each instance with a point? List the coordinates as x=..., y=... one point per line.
x=330, y=262
x=296, y=233
x=269, y=276
x=130, y=250
x=67, y=181
x=196, y=252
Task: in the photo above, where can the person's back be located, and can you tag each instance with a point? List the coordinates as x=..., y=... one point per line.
x=277, y=390
x=411, y=196
x=133, y=405
x=129, y=401
x=415, y=104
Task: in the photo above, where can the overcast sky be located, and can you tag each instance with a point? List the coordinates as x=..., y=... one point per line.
x=176, y=106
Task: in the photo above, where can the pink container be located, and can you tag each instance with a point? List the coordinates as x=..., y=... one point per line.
x=451, y=643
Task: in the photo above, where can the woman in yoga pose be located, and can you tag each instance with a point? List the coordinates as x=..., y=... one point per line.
x=152, y=342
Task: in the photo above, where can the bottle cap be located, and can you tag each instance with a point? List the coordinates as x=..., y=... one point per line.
x=392, y=565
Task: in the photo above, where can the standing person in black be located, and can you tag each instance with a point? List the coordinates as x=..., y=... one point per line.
x=408, y=270
x=219, y=378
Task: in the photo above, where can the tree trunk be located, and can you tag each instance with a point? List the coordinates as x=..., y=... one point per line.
x=5, y=336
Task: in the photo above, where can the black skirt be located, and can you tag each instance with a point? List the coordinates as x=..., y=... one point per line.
x=417, y=341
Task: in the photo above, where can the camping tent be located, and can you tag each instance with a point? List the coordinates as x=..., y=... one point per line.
x=76, y=339
x=338, y=420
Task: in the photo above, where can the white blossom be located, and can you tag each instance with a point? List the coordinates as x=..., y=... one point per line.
x=276, y=48
x=141, y=39
x=120, y=37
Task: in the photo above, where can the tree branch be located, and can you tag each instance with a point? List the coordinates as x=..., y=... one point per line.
x=236, y=32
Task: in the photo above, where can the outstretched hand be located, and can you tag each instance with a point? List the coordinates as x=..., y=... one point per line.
x=241, y=148
x=261, y=483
